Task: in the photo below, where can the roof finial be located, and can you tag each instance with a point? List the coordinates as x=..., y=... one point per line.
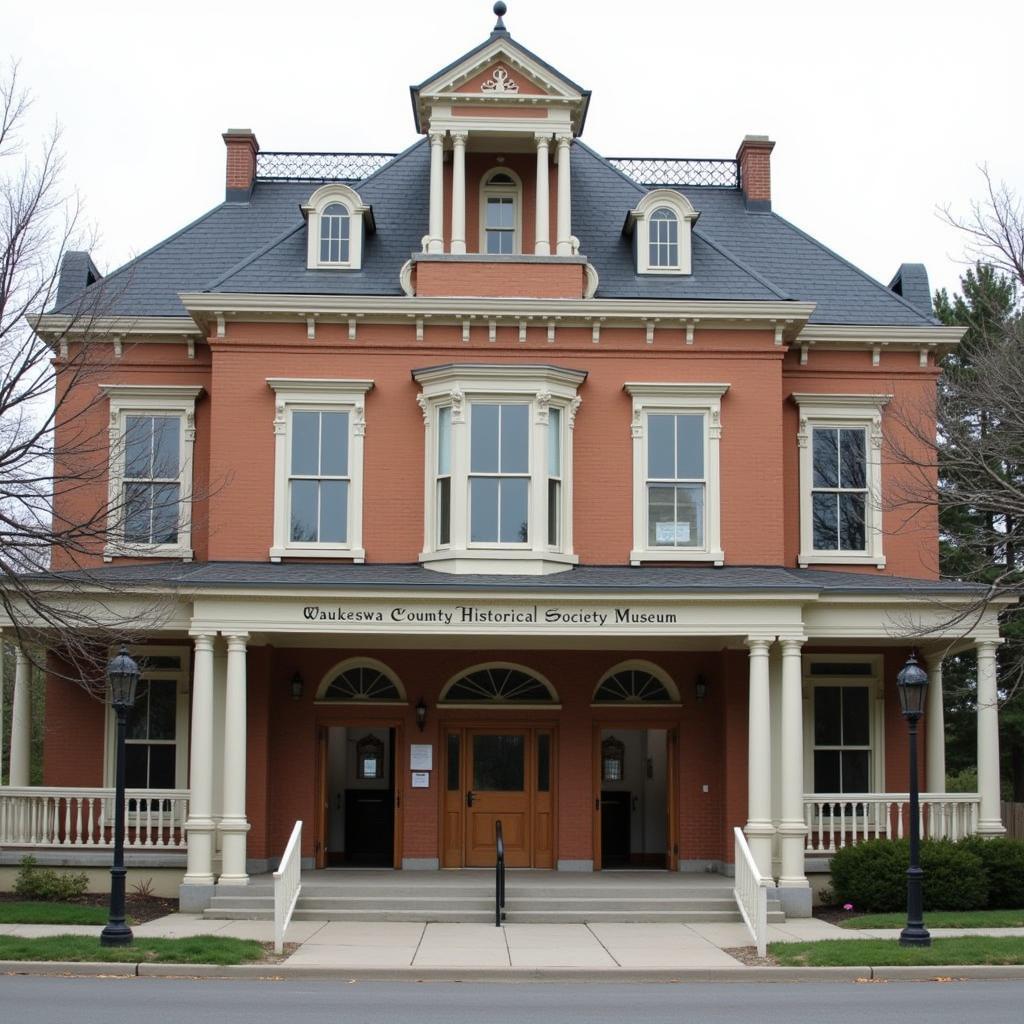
x=500, y=9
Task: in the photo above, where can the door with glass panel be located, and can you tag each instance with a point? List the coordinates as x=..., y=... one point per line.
x=498, y=777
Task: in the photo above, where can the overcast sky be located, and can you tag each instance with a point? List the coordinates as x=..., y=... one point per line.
x=881, y=114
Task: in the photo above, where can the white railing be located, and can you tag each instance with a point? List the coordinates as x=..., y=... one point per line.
x=83, y=819
x=835, y=820
x=751, y=893
x=287, y=886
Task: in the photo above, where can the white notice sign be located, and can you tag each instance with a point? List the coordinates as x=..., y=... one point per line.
x=421, y=757
x=672, y=533
x=421, y=780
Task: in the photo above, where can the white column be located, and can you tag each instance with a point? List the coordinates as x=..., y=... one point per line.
x=458, y=192
x=435, y=230
x=542, y=232
x=200, y=805
x=233, y=824
x=935, y=731
x=21, y=721
x=759, y=828
x=990, y=819
x=564, y=218
x=791, y=727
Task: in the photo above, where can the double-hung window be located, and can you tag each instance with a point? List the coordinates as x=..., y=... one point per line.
x=152, y=435
x=676, y=431
x=499, y=473
x=840, y=439
x=500, y=213
x=319, y=427
x=663, y=238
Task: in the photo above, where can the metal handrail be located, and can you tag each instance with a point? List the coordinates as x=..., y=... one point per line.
x=499, y=875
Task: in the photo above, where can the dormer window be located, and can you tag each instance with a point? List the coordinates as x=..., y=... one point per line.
x=660, y=226
x=338, y=220
x=501, y=213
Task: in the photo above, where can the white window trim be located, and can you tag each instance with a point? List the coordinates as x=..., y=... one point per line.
x=458, y=386
x=876, y=695
x=673, y=399
x=360, y=219
x=516, y=192
x=181, y=723
x=842, y=411
x=638, y=223
x=336, y=395
x=149, y=400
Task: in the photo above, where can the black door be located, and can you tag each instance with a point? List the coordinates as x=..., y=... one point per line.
x=614, y=828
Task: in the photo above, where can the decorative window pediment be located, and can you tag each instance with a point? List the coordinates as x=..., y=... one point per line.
x=337, y=220
x=660, y=226
x=499, y=684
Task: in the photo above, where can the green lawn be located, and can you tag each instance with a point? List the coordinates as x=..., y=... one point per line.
x=203, y=949
x=979, y=949
x=38, y=912
x=943, y=919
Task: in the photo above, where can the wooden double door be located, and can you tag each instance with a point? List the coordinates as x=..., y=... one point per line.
x=498, y=773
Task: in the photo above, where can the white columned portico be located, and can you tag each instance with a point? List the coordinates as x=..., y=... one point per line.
x=792, y=828
x=233, y=823
x=458, y=244
x=990, y=819
x=435, y=229
x=759, y=829
x=935, y=731
x=564, y=213
x=21, y=722
x=201, y=826
x=542, y=232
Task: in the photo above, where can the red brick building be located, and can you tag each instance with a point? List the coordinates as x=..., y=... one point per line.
x=497, y=479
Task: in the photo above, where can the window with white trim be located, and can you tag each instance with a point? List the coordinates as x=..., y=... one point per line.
x=840, y=439
x=319, y=426
x=661, y=227
x=676, y=432
x=501, y=213
x=152, y=435
x=338, y=220
x=499, y=467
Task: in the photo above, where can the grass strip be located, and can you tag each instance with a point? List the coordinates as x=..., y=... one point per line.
x=942, y=919
x=201, y=949
x=39, y=912
x=980, y=949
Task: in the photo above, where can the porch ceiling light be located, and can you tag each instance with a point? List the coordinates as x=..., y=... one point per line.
x=421, y=714
x=297, y=686
x=912, y=684
x=123, y=679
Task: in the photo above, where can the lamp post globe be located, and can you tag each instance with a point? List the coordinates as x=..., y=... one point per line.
x=122, y=682
x=912, y=684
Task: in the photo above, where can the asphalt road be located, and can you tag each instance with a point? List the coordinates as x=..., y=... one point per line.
x=42, y=1000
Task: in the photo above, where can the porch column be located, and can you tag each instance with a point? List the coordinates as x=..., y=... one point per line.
x=233, y=824
x=759, y=828
x=792, y=828
x=564, y=215
x=990, y=819
x=542, y=233
x=435, y=229
x=935, y=731
x=21, y=721
x=200, y=805
x=458, y=192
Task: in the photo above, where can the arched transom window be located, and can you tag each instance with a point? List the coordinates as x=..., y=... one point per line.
x=499, y=684
x=360, y=681
x=636, y=684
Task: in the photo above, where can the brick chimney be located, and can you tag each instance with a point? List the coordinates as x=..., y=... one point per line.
x=241, y=164
x=754, y=157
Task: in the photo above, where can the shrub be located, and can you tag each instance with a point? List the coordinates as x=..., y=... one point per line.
x=954, y=877
x=36, y=883
x=1003, y=861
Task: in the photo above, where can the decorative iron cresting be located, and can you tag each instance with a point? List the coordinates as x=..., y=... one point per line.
x=675, y=171
x=289, y=166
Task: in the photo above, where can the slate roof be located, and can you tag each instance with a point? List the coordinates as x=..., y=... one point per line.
x=582, y=579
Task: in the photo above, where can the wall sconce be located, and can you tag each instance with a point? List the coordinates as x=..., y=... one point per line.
x=700, y=689
x=421, y=714
x=297, y=686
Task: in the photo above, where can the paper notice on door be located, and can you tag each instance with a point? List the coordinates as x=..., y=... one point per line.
x=672, y=533
x=421, y=780
x=421, y=757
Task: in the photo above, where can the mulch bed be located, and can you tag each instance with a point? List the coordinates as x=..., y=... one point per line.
x=140, y=908
x=835, y=915
x=747, y=955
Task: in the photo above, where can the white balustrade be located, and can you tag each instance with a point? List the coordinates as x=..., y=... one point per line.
x=835, y=820
x=59, y=818
x=287, y=886
x=751, y=892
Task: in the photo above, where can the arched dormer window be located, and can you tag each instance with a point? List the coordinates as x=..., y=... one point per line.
x=501, y=213
x=661, y=226
x=338, y=220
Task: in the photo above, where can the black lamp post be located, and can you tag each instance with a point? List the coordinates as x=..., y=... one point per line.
x=122, y=678
x=912, y=683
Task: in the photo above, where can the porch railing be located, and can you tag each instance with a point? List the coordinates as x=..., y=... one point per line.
x=751, y=892
x=49, y=817
x=287, y=886
x=835, y=820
